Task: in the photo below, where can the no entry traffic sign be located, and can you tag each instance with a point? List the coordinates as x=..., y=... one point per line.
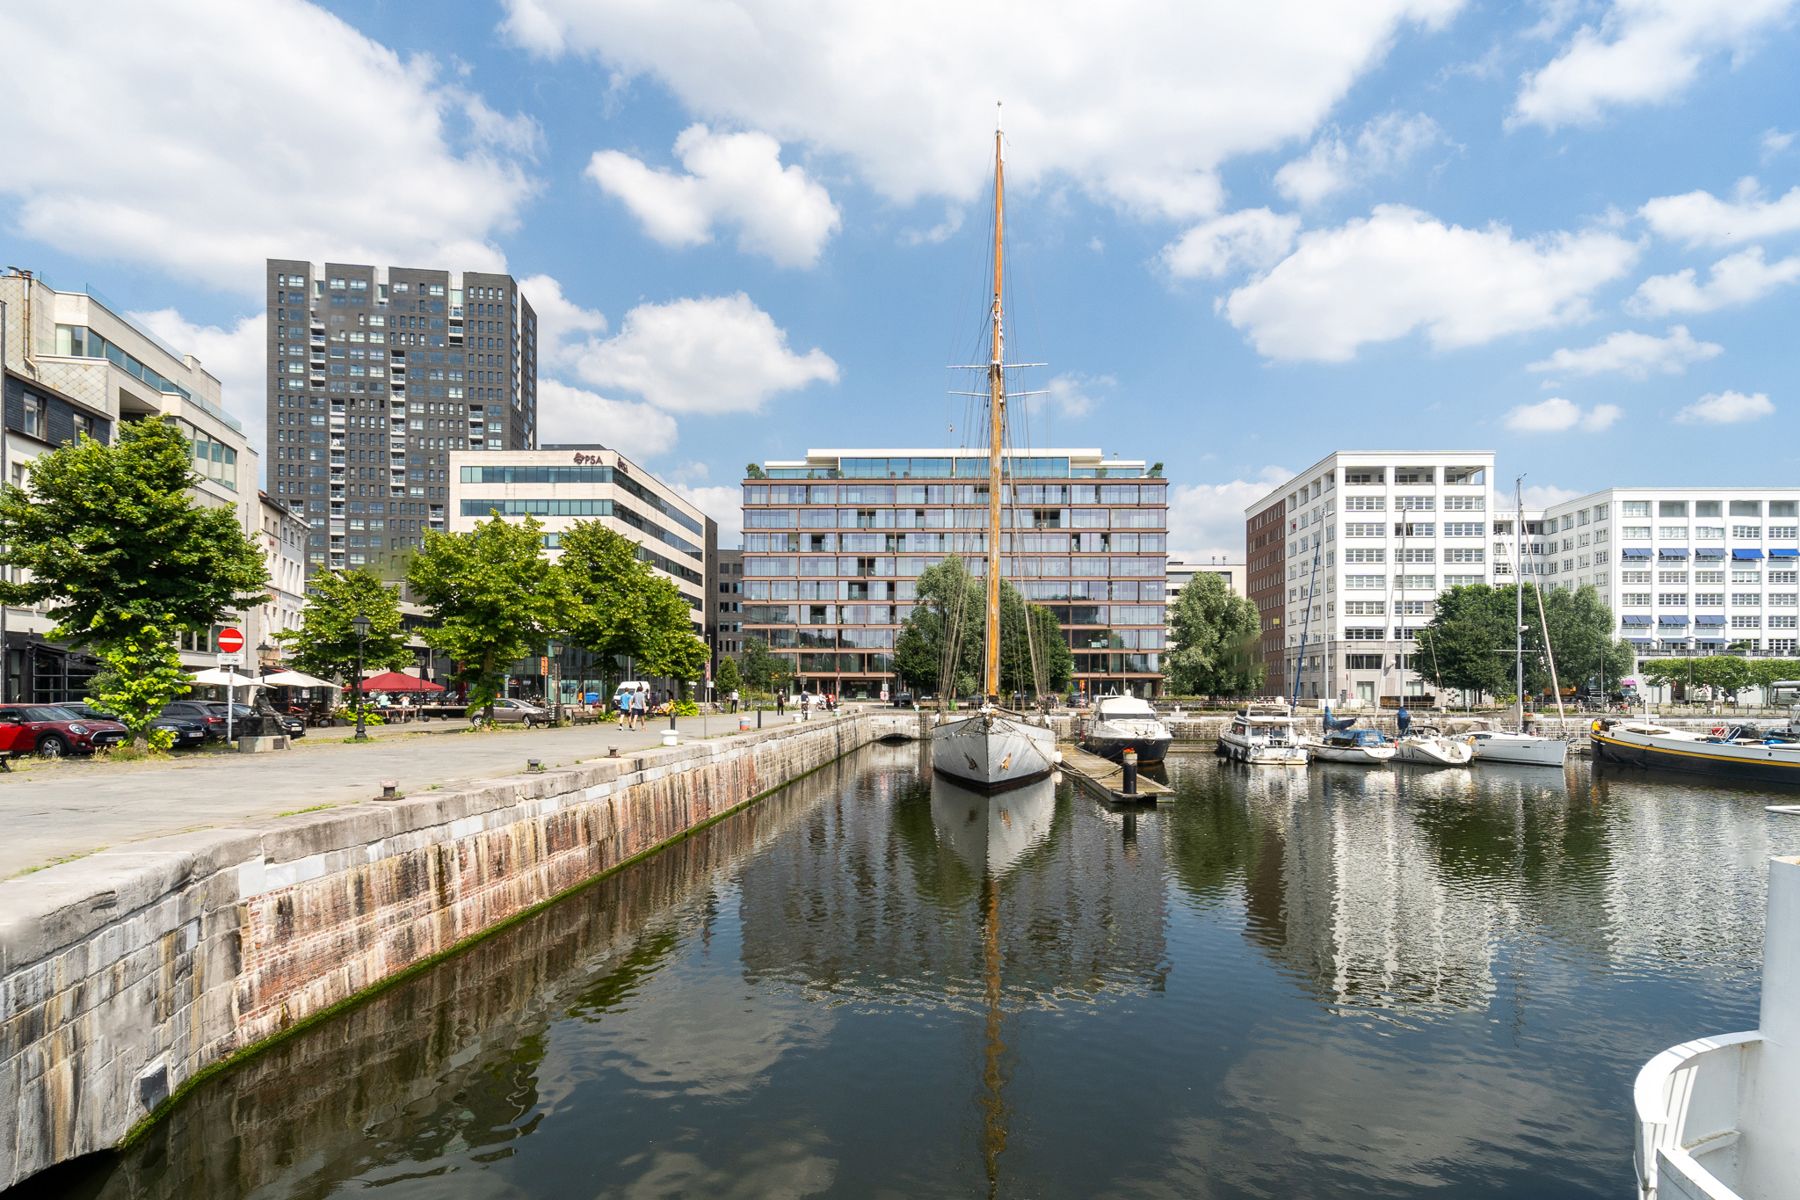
x=231, y=641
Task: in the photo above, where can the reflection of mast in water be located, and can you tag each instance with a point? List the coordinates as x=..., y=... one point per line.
x=993, y=1079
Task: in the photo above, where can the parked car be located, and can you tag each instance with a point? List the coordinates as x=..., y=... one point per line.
x=188, y=731
x=513, y=712
x=201, y=711
x=294, y=726
x=53, y=731
x=903, y=699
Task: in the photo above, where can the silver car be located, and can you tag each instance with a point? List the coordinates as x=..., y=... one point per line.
x=513, y=712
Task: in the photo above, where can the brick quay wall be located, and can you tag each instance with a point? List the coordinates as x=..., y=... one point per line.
x=128, y=975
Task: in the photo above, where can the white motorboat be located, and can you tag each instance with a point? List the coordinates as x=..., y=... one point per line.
x=1263, y=735
x=1726, y=752
x=1123, y=723
x=1501, y=746
x=992, y=748
x=1428, y=748
x=1361, y=747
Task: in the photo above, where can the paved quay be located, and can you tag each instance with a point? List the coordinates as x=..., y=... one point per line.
x=55, y=811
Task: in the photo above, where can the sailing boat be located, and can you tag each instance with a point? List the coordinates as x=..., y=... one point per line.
x=1422, y=745
x=1519, y=746
x=994, y=749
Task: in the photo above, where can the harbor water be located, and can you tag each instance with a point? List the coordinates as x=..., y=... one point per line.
x=1326, y=982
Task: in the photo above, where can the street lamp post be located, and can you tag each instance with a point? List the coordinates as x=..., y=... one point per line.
x=360, y=623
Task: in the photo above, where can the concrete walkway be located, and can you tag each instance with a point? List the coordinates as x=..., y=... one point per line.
x=53, y=811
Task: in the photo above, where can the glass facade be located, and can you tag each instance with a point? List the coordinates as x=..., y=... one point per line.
x=832, y=550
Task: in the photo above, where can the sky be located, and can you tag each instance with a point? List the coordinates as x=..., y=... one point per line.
x=1239, y=236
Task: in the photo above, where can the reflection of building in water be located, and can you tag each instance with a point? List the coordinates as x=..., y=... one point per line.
x=477, y=1027
x=1367, y=915
x=870, y=899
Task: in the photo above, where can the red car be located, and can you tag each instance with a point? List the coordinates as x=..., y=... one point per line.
x=53, y=732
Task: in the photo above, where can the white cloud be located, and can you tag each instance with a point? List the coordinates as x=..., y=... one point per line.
x=1634, y=355
x=1076, y=395
x=1775, y=143
x=1726, y=408
x=1740, y=278
x=938, y=234
x=733, y=179
x=1144, y=121
x=1702, y=219
x=565, y=329
x=1556, y=415
x=1251, y=237
x=572, y=415
x=714, y=354
x=1208, y=518
x=236, y=357
x=287, y=133
x=1382, y=147
x=1642, y=52
x=1380, y=278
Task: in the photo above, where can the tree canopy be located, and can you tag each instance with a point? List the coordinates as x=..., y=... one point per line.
x=1469, y=642
x=493, y=599
x=125, y=559
x=325, y=643
x=1213, y=652
x=949, y=616
x=727, y=680
x=620, y=607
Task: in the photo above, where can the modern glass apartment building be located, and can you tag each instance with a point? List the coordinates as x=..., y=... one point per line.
x=835, y=542
x=1685, y=570
x=375, y=374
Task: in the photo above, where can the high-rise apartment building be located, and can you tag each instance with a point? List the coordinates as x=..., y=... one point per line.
x=834, y=544
x=1685, y=570
x=1346, y=560
x=375, y=375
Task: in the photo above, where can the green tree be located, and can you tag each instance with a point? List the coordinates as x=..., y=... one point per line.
x=325, y=643
x=765, y=671
x=726, y=679
x=951, y=605
x=1213, y=651
x=620, y=607
x=1581, y=637
x=1724, y=673
x=669, y=648
x=126, y=560
x=493, y=599
x=1468, y=641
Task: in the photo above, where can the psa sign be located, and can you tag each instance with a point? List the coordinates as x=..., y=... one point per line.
x=589, y=460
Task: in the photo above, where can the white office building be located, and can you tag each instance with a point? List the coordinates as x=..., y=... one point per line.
x=1345, y=562
x=560, y=485
x=1685, y=570
x=74, y=365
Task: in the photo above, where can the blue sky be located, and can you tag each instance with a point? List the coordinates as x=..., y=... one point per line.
x=1242, y=236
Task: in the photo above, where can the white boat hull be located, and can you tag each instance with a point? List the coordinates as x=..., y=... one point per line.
x=1523, y=748
x=992, y=750
x=1259, y=753
x=1432, y=752
x=1363, y=756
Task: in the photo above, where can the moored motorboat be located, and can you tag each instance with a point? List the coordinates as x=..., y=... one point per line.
x=1123, y=723
x=1263, y=735
x=1728, y=752
x=1363, y=747
x=1502, y=746
x=1426, y=747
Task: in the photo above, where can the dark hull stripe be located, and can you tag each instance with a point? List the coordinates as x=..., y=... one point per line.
x=1148, y=752
x=1626, y=754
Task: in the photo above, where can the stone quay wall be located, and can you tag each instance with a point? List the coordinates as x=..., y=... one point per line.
x=128, y=974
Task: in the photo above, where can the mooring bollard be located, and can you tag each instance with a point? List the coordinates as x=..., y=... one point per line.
x=390, y=789
x=1130, y=762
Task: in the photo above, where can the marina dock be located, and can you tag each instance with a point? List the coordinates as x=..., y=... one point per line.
x=1106, y=779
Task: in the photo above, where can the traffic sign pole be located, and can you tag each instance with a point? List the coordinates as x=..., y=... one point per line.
x=231, y=653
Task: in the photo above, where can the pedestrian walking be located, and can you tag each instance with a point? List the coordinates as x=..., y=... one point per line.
x=781, y=704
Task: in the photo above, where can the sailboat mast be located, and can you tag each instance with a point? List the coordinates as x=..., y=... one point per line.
x=996, y=432
x=1519, y=593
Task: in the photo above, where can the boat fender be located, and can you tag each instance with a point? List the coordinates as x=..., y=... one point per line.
x=1718, y=730
x=1056, y=757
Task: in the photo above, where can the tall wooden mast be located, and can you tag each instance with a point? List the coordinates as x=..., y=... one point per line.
x=996, y=432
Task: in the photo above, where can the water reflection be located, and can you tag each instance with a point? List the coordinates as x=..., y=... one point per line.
x=1333, y=982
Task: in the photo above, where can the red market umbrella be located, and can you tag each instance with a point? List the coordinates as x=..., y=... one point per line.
x=396, y=681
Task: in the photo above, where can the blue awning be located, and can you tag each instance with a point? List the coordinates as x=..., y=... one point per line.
x=1634, y=619
x=1641, y=641
x=1711, y=641
x=1635, y=552
x=1784, y=554
x=1670, y=619
x=1673, y=552
x=1709, y=620
x=1746, y=554
x=1709, y=552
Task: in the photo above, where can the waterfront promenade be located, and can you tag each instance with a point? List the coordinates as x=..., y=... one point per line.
x=56, y=811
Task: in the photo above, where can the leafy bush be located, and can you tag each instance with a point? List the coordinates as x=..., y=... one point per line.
x=371, y=715
x=686, y=708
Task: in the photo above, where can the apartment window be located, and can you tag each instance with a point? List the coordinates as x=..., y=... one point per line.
x=1671, y=508
x=1709, y=599
x=1781, y=622
x=1634, y=577
x=1672, y=599
x=1672, y=533
x=1634, y=599
x=1635, y=531
x=1746, y=508
x=1751, y=622
x=1358, y=555
x=1747, y=533
x=1470, y=555
x=33, y=423
x=1465, y=503
x=1671, y=577
x=1745, y=599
